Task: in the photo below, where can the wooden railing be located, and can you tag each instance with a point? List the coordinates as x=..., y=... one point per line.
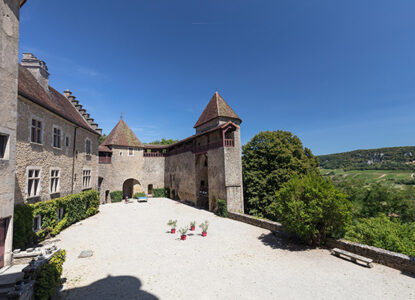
x=193, y=148
x=153, y=154
x=228, y=143
x=105, y=159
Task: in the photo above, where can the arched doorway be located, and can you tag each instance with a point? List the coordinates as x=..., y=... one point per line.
x=130, y=187
x=202, y=183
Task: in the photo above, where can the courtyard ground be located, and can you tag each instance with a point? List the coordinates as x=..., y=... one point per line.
x=134, y=257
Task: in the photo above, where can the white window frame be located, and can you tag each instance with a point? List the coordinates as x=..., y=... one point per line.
x=132, y=150
x=60, y=137
x=86, y=146
x=86, y=178
x=42, y=130
x=6, y=153
x=37, y=223
x=39, y=185
x=54, y=180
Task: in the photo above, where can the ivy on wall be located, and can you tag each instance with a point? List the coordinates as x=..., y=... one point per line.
x=75, y=208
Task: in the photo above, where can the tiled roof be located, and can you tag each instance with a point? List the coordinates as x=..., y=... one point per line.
x=217, y=107
x=53, y=101
x=102, y=148
x=122, y=135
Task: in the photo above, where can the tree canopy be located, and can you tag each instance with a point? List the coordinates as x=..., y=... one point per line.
x=269, y=160
x=163, y=141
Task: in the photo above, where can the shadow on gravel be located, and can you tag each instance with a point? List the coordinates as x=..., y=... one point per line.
x=280, y=241
x=110, y=288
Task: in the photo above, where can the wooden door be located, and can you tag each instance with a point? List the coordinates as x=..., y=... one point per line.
x=3, y=232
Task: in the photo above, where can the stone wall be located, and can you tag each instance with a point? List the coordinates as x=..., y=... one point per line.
x=391, y=259
x=180, y=176
x=9, y=43
x=46, y=157
x=146, y=170
x=233, y=174
x=217, y=176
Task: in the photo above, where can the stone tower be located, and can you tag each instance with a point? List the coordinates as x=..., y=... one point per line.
x=226, y=159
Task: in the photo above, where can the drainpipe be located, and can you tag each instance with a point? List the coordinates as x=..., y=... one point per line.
x=73, y=156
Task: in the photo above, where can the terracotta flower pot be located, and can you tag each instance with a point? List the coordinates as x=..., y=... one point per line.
x=204, y=233
x=192, y=228
x=183, y=237
x=173, y=230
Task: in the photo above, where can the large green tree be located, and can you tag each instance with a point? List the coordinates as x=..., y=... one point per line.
x=269, y=160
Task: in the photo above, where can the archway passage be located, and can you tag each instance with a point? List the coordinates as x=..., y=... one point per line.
x=130, y=187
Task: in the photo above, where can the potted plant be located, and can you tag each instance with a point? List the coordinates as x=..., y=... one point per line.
x=183, y=232
x=204, y=226
x=173, y=225
x=192, y=226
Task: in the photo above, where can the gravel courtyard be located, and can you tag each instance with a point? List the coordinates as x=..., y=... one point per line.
x=134, y=257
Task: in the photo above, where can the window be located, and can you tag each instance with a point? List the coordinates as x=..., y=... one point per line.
x=36, y=134
x=37, y=223
x=88, y=146
x=57, y=133
x=33, y=182
x=130, y=151
x=67, y=141
x=120, y=153
x=86, y=179
x=54, y=181
x=59, y=212
x=3, y=145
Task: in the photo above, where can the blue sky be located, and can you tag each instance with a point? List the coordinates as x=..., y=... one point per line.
x=338, y=74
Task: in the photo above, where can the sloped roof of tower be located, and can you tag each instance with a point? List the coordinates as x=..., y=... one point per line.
x=122, y=135
x=217, y=107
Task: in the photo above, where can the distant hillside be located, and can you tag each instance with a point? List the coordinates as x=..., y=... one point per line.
x=393, y=158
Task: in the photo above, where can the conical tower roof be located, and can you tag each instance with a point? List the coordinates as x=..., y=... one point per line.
x=217, y=107
x=122, y=135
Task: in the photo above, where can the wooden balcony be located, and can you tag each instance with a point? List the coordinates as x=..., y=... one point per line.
x=228, y=143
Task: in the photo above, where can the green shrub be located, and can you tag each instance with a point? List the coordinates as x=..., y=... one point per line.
x=222, y=208
x=116, y=196
x=75, y=208
x=161, y=193
x=48, y=277
x=312, y=208
x=23, y=226
x=383, y=233
x=137, y=195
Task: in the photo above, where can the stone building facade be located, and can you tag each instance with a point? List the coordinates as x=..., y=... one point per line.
x=9, y=44
x=57, y=141
x=200, y=169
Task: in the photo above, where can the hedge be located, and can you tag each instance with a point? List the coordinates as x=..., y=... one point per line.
x=48, y=277
x=116, y=196
x=75, y=208
x=222, y=208
x=161, y=193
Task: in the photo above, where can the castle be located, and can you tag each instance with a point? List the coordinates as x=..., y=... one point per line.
x=200, y=169
x=49, y=146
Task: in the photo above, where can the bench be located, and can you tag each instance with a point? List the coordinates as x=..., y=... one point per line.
x=353, y=257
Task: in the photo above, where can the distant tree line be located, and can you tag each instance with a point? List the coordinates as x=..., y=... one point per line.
x=394, y=158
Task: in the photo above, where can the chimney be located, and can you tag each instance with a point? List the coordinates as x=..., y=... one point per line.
x=38, y=69
x=67, y=93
